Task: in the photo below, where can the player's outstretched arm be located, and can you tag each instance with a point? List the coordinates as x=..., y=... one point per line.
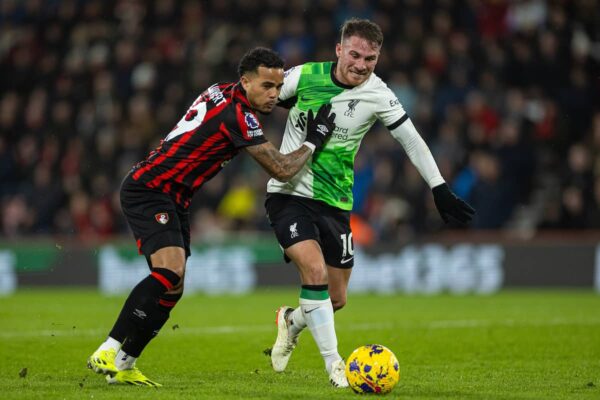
x=284, y=166
x=447, y=203
x=280, y=166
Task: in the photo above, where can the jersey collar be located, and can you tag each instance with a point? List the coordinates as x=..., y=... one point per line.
x=240, y=94
x=335, y=80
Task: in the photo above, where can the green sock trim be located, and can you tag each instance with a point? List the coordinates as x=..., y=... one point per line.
x=314, y=294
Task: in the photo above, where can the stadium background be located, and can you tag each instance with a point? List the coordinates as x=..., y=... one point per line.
x=506, y=94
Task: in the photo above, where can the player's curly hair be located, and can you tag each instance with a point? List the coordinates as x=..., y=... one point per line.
x=259, y=56
x=362, y=28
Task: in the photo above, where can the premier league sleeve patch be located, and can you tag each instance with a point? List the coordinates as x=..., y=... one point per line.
x=247, y=131
x=253, y=125
x=251, y=121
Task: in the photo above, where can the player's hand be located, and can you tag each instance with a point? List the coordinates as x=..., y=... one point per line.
x=320, y=127
x=450, y=205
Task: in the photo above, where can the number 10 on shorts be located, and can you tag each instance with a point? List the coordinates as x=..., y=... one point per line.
x=347, y=248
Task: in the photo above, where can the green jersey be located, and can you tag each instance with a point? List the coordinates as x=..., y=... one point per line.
x=329, y=176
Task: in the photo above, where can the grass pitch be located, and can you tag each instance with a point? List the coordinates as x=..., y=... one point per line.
x=514, y=345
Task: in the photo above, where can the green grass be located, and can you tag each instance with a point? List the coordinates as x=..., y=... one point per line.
x=514, y=345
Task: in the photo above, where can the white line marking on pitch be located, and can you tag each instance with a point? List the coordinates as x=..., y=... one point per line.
x=234, y=329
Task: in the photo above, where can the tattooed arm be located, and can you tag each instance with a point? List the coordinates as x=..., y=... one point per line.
x=283, y=167
x=280, y=166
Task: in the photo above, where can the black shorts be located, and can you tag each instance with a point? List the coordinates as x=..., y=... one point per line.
x=295, y=219
x=155, y=219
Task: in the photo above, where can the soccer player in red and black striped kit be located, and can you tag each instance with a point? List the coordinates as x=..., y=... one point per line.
x=156, y=194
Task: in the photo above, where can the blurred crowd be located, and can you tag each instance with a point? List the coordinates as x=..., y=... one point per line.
x=506, y=94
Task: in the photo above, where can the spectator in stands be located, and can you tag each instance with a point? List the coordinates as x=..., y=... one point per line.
x=88, y=88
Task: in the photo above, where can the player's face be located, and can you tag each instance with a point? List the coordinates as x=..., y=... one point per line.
x=263, y=87
x=357, y=58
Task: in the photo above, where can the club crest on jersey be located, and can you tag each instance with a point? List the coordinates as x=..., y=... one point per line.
x=162, y=218
x=251, y=121
x=351, y=108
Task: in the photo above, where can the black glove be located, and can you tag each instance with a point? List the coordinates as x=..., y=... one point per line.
x=320, y=128
x=450, y=205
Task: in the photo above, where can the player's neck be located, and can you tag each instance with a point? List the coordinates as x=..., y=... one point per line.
x=335, y=75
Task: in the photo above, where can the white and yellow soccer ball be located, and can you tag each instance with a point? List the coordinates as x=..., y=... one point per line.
x=372, y=369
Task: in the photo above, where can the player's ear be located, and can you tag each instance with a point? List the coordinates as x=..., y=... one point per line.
x=245, y=80
x=338, y=50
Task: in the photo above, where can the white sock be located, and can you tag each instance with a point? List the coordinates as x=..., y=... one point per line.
x=110, y=343
x=124, y=361
x=330, y=359
x=318, y=315
x=298, y=323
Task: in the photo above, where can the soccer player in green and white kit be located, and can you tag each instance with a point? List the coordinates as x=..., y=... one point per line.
x=310, y=214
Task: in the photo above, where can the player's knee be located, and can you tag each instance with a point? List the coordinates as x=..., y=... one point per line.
x=315, y=274
x=178, y=268
x=177, y=289
x=172, y=258
x=179, y=271
x=338, y=302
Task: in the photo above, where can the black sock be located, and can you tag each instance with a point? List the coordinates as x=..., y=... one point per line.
x=168, y=301
x=139, y=305
x=161, y=311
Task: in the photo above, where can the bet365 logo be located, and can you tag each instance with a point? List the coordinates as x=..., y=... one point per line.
x=301, y=121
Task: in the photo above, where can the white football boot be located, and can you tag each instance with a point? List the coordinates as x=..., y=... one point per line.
x=337, y=376
x=284, y=344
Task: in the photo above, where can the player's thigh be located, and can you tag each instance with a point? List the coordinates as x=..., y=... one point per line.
x=338, y=285
x=308, y=258
x=175, y=257
x=154, y=220
x=171, y=257
x=184, y=225
x=338, y=252
x=291, y=220
x=336, y=237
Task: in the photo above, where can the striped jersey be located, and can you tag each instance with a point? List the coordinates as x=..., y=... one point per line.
x=329, y=176
x=217, y=125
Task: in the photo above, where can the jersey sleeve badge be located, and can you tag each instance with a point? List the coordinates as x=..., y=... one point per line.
x=253, y=126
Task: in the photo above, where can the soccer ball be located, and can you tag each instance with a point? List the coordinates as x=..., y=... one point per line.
x=372, y=369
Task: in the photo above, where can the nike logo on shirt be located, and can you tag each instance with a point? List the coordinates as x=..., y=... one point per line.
x=345, y=260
